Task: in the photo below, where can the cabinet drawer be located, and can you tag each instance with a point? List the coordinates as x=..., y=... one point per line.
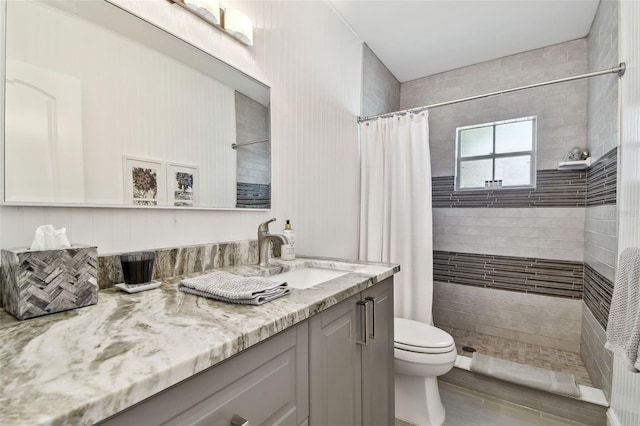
x=265, y=384
x=252, y=397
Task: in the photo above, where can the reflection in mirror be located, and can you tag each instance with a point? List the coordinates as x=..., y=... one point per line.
x=96, y=117
x=254, y=154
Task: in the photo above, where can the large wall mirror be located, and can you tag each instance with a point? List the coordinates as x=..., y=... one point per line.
x=104, y=108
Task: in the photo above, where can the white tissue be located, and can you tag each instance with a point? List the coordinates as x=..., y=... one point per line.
x=47, y=237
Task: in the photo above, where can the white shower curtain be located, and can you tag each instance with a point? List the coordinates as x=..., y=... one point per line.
x=395, y=207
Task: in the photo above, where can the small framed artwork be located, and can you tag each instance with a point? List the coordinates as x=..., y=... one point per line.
x=144, y=181
x=183, y=185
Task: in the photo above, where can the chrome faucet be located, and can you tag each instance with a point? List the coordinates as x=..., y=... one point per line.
x=264, y=238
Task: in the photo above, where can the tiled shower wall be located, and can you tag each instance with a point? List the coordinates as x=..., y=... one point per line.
x=528, y=275
x=253, y=187
x=549, y=233
x=523, y=317
x=597, y=360
x=515, y=246
x=553, y=189
x=602, y=135
x=380, y=89
x=252, y=124
x=600, y=221
x=561, y=108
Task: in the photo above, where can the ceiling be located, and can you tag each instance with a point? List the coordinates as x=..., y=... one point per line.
x=419, y=38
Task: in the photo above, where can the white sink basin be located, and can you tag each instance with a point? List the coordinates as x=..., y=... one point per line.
x=308, y=277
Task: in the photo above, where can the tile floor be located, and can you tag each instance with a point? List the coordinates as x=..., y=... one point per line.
x=524, y=353
x=465, y=408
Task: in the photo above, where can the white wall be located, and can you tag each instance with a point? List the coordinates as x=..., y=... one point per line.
x=312, y=62
x=625, y=393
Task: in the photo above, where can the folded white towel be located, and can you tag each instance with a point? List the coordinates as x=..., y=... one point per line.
x=526, y=375
x=623, y=328
x=234, y=288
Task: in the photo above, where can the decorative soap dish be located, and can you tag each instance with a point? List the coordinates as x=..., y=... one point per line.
x=136, y=288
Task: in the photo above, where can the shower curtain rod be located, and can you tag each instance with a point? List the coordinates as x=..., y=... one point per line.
x=617, y=70
x=239, y=144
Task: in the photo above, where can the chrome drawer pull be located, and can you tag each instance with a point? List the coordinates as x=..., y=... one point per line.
x=364, y=321
x=373, y=316
x=239, y=421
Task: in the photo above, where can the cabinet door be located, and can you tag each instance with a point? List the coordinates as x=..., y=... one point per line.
x=266, y=385
x=377, y=357
x=335, y=366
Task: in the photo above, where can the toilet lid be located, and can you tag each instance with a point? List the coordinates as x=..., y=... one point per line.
x=420, y=337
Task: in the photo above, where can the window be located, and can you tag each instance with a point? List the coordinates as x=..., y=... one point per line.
x=500, y=151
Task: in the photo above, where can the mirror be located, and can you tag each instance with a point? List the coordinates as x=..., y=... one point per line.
x=105, y=109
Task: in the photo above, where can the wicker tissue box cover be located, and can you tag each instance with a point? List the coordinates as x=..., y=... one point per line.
x=42, y=282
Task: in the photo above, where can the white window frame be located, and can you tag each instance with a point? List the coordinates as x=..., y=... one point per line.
x=493, y=155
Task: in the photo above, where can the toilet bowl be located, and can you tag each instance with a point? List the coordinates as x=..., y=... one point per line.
x=422, y=353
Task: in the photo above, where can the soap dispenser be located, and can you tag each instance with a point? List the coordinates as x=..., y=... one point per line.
x=289, y=250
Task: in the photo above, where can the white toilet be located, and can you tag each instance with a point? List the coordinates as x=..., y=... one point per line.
x=422, y=352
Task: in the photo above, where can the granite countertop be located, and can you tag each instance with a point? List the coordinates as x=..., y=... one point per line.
x=84, y=365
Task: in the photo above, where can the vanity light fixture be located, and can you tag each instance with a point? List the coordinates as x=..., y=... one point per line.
x=209, y=9
x=230, y=21
x=238, y=25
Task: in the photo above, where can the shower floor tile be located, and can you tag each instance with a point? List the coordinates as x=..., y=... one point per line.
x=524, y=353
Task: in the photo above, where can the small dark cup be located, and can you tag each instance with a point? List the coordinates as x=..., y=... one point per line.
x=137, y=268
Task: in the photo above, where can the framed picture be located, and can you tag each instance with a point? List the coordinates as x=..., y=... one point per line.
x=144, y=181
x=183, y=184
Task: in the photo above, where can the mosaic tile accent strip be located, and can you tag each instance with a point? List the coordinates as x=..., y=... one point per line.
x=523, y=353
x=529, y=275
x=602, y=180
x=171, y=262
x=253, y=196
x=553, y=189
x=598, y=291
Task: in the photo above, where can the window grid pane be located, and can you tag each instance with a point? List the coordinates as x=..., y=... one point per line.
x=514, y=171
x=477, y=141
x=473, y=173
x=512, y=137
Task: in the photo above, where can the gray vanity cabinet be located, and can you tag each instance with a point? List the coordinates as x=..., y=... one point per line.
x=378, y=397
x=351, y=361
x=264, y=385
x=335, y=369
